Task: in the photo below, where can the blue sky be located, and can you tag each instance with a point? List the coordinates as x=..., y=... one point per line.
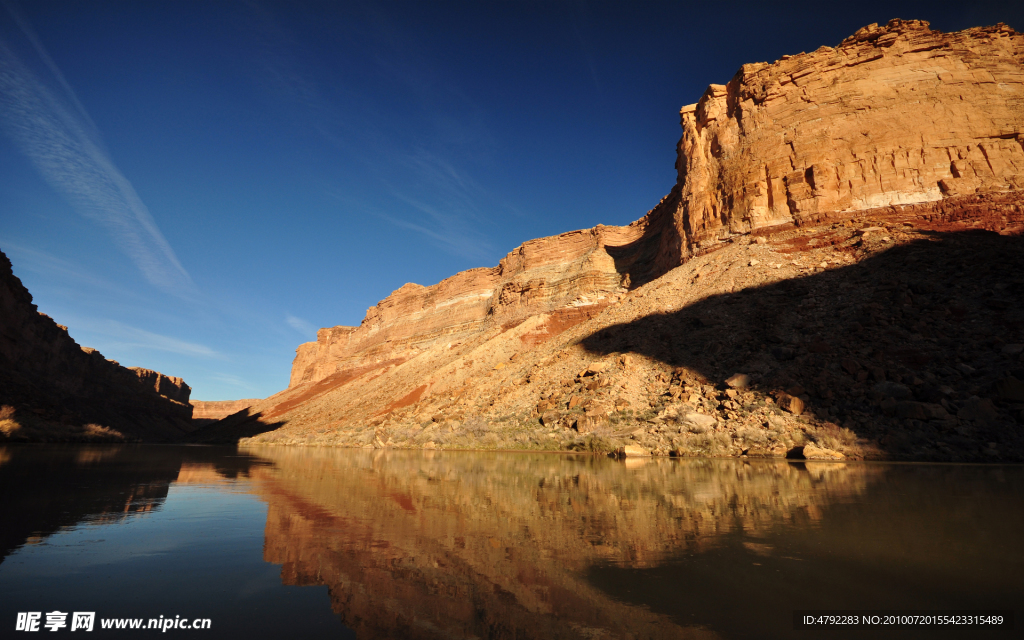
x=196, y=187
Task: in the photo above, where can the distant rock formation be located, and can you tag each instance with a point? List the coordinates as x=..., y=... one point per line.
x=205, y=412
x=892, y=138
x=52, y=389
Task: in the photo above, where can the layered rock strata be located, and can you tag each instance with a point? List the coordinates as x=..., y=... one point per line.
x=53, y=389
x=898, y=133
x=899, y=114
x=574, y=274
x=892, y=115
x=206, y=411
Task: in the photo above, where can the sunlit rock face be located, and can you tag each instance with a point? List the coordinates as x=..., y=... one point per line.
x=573, y=274
x=898, y=114
x=896, y=128
x=892, y=115
x=429, y=546
x=53, y=389
x=207, y=411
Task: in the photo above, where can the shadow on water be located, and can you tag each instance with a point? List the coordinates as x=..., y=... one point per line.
x=930, y=319
x=927, y=538
x=46, y=488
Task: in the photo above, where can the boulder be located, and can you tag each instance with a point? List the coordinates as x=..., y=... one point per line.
x=792, y=404
x=890, y=389
x=911, y=410
x=632, y=451
x=1010, y=389
x=814, y=452
x=738, y=381
x=687, y=416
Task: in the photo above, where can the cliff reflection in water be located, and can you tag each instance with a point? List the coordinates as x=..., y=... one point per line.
x=415, y=544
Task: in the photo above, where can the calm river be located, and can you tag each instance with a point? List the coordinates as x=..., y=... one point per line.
x=337, y=543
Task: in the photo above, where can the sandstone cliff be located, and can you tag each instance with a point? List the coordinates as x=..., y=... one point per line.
x=895, y=138
x=206, y=411
x=570, y=277
x=53, y=389
x=892, y=115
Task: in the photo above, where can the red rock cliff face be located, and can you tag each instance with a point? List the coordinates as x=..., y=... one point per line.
x=893, y=115
x=61, y=386
x=573, y=275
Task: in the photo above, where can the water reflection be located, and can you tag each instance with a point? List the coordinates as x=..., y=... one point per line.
x=491, y=545
x=46, y=488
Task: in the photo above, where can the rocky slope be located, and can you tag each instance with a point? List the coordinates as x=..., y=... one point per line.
x=823, y=240
x=52, y=389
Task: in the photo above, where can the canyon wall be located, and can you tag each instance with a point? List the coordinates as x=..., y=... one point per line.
x=52, y=388
x=572, y=275
x=893, y=115
x=806, y=189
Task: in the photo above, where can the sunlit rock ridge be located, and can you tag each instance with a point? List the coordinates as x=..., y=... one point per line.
x=900, y=129
x=900, y=114
x=892, y=115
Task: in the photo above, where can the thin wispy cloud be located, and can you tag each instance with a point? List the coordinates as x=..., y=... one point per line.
x=54, y=131
x=229, y=379
x=456, y=242
x=300, y=325
x=449, y=206
x=125, y=336
x=453, y=187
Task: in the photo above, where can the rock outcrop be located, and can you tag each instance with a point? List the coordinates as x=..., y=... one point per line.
x=893, y=115
x=206, y=411
x=897, y=137
x=53, y=389
x=570, y=277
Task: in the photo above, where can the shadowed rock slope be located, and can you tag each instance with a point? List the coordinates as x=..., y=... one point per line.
x=844, y=233
x=52, y=389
